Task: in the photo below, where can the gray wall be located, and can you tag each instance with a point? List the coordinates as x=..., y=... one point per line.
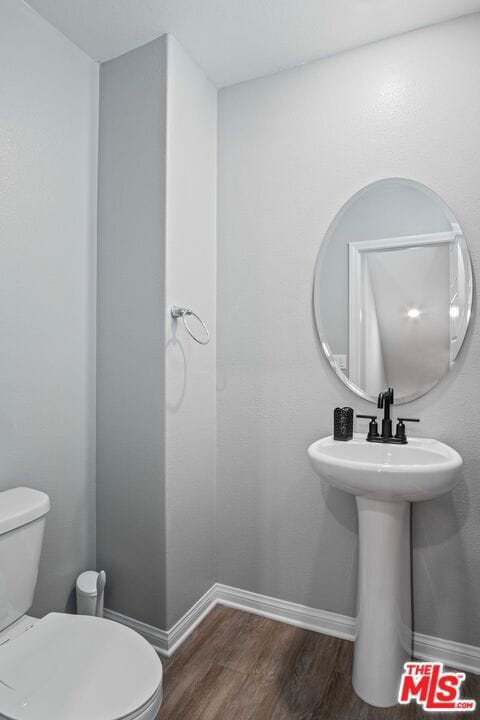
x=48, y=168
x=156, y=412
x=131, y=361
x=292, y=148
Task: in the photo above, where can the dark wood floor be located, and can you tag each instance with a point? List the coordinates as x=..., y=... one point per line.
x=238, y=666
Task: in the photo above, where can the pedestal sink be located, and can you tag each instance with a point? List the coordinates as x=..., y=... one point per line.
x=385, y=479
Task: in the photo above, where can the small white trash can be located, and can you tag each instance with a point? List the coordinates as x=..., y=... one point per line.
x=90, y=591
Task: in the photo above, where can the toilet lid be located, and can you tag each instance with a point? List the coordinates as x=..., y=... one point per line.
x=72, y=667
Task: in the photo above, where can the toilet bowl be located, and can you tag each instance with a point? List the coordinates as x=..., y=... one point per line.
x=72, y=667
x=62, y=667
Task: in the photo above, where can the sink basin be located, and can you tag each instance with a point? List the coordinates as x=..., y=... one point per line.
x=421, y=470
x=385, y=480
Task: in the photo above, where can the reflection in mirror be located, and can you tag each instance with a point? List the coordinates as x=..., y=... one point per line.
x=393, y=290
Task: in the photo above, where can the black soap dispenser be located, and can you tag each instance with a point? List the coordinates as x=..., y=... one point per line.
x=343, y=423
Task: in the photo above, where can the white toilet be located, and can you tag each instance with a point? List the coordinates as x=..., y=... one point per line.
x=62, y=667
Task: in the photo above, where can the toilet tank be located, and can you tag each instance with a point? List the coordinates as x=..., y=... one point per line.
x=22, y=520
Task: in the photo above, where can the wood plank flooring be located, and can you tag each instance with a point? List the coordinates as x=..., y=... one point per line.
x=238, y=666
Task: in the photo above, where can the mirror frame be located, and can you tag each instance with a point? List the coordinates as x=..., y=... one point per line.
x=455, y=234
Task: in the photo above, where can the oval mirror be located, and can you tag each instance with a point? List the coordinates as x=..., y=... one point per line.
x=393, y=290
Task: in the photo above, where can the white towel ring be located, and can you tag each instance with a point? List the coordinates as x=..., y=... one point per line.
x=183, y=312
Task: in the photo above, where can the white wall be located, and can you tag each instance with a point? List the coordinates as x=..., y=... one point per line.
x=190, y=274
x=48, y=160
x=292, y=148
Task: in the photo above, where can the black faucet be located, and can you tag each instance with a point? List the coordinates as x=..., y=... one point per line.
x=385, y=399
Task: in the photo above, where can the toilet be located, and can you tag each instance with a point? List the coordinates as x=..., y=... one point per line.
x=62, y=667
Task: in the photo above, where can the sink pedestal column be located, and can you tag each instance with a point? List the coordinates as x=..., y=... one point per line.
x=384, y=607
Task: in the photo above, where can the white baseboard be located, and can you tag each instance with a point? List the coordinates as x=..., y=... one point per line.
x=454, y=654
x=187, y=624
x=166, y=642
x=301, y=616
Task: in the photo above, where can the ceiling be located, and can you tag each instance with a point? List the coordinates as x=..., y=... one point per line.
x=235, y=40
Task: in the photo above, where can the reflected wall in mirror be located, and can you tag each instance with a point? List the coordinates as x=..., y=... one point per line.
x=393, y=290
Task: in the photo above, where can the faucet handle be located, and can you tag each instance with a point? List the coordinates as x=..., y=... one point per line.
x=372, y=427
x=400, y=432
